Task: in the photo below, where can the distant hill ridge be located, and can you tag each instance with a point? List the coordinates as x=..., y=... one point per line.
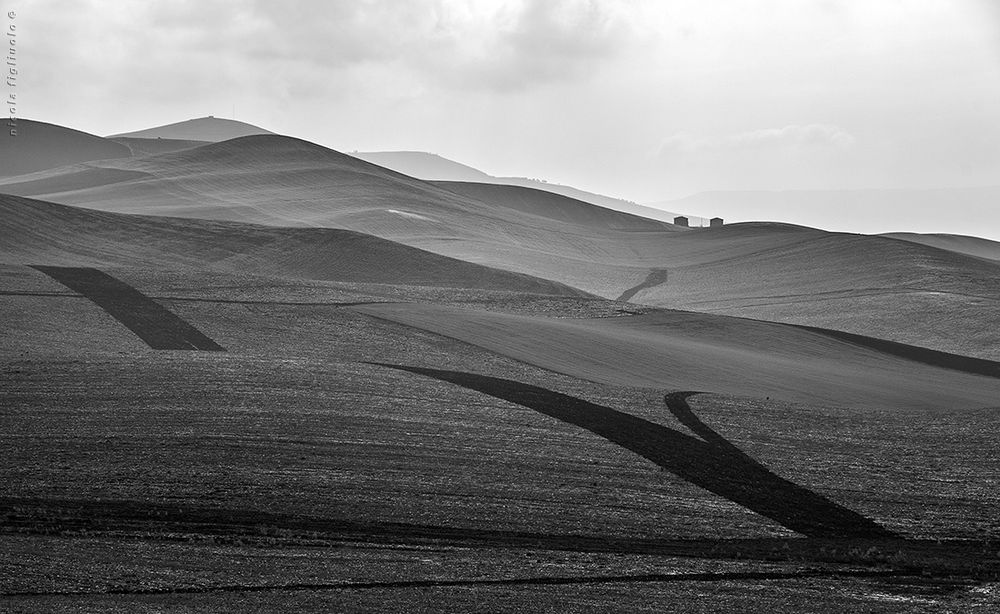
x=54, y=151
x=432, y=167
x=875, y=286
x=972, y=246
x=40, y=146
x=209, y=128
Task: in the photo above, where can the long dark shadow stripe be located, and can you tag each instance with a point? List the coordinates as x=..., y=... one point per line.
x=927, y=356
x=159, y=327
x=721, y=469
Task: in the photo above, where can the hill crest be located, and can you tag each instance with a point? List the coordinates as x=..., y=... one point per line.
x=210, y=128
x=40, y=146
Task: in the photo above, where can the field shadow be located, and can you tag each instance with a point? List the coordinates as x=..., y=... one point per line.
x=927, y=356
x=712, y=462
x=156, y=325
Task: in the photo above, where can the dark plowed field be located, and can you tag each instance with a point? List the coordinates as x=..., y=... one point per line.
x=157, y=326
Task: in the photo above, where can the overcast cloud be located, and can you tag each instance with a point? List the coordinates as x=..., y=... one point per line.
x=640, y=99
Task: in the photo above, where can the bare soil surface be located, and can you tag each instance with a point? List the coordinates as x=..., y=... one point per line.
x=370, y=444
x=150, y=321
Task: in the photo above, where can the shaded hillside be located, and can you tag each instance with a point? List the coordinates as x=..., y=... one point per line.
x=209, y=128
x=38, y=232
x=39, y=146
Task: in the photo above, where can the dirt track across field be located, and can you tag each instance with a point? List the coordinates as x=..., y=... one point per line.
x=160, y=328
x=655, y=278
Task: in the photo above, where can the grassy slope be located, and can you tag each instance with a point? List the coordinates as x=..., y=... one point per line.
x=689, y=351
x=870, y=285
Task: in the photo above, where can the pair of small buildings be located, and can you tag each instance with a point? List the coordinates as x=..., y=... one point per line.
x=715, y=222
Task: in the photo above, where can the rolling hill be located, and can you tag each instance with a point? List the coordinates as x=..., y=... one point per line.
x=869, y=285
x=962, y=244
x=662, y=348
x=211, y=129
x=147, y=146
x=39, y=146
x=41, y=233
x=338, y=407
x=692, y=351
x=432, y=167
x=284, y=181
x=423, y=165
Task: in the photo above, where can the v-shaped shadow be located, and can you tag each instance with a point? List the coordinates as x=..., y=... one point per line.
x=712, y=462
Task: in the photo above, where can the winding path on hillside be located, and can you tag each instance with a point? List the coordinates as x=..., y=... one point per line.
x=655, y=278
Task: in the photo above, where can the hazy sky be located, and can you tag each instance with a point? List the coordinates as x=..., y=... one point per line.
x=642, y=100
